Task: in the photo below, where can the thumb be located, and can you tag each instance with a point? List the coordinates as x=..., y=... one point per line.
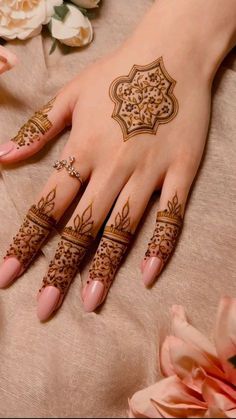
x=43, y=126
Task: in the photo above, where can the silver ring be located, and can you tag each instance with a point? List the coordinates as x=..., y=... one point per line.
x=68, y=165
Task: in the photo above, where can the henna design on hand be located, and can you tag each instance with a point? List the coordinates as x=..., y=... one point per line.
x=167, y=230
x=36, y=126
x=144, y=99
x=112, y=247
x=70, y=251
x=35, y=228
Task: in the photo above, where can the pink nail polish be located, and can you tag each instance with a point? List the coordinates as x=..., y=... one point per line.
x=9, y=270
x=47, y=302
x=94, y=294
x=151, y=270
x=6, y=148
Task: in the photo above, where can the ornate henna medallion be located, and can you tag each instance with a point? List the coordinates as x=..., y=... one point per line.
x=36, y=126
x=144, y=99
x=112, y=247
x=167, y=230
x=70, y=251
x=34, y=230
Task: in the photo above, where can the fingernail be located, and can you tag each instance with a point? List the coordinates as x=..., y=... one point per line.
x=94, y=294
x=47, y=302
x=9, y=270
x=6, y=148
x=151, y=270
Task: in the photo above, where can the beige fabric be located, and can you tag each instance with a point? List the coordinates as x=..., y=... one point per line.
x=87, y=365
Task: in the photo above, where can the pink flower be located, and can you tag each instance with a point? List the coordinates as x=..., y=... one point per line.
x=7, y=59
x=200, y=380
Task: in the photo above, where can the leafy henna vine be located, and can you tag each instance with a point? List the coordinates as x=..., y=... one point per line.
x=70, y=251
x=34, y=230
x=168, y=227
x=144, y=99
x=112, y=247
x=36, y=126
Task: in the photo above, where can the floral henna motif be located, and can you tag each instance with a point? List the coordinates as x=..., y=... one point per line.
x=112, y=247
x=168, y=227
x=70, y=251
x=144, y=99
x=34, y=230
x=36, y=126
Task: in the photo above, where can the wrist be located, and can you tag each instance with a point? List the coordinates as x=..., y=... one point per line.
x=200, y=32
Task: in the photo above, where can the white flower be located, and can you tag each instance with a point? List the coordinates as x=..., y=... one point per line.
x=75, y=30
x=24, y=18
x=88, y=4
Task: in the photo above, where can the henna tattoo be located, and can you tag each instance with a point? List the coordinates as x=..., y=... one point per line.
x=167, y=230
x=144, y=99
x=36, y=126
x=70, y=251
x=34, y=230
x=112, y=247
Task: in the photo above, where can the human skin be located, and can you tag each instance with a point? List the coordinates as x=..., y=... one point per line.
x=121, y=174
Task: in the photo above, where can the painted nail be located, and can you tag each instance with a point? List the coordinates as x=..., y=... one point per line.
x=6, y=148
x=151, y=270
x=94, y=294
x=9, y=270
x=47, y=302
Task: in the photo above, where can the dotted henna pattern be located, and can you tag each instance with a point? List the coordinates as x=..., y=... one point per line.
x=144, y=99
x=34, y=230
x=36, y=126
x=167, y=230
x=70, y=251
x=112, y=247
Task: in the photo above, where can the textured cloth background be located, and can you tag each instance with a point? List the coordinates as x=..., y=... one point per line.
x=87, y=365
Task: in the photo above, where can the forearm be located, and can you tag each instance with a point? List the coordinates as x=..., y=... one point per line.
x=202, y=30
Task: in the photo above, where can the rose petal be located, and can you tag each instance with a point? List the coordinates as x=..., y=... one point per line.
x=163, y=398
x=166, y=365
x=186, y=359
x=218, y=395
x=183, y=330
x=225, y=335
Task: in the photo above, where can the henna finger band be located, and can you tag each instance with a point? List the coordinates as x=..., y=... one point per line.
x=112, y=247
x=71, y=249
x=34, y=230
x=168, y=227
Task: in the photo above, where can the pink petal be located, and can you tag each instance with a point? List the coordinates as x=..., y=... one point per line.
x=225, y=335
x=219, y=395
x=167, y=368
x=183, y=330
x=187, y=360
x=163, y=398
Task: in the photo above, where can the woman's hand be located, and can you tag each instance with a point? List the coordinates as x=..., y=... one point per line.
x=7, y=60
x=135, y=129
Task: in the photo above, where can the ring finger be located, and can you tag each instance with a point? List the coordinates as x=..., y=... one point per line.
x=77, y=236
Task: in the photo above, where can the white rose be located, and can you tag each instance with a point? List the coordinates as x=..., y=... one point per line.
x=75, y=30
x=24, y=18
x=87, y=4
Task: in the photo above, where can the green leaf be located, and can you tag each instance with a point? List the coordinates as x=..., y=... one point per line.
x=232, y=361
x=53, y=47
x=61, y=12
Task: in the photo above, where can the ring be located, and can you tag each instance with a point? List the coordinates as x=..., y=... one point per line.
x=60, y=164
